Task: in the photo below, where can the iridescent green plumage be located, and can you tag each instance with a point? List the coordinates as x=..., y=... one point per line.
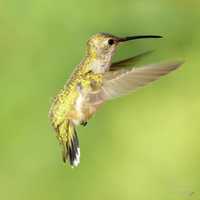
x=63, y=113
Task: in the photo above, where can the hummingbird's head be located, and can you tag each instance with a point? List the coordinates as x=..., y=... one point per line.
x=102, y=46
x=105, y=43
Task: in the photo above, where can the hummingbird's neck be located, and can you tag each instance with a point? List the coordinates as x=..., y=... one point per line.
x=97, y=64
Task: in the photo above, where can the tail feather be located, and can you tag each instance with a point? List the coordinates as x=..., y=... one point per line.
x=69, y=141
x=73, y=152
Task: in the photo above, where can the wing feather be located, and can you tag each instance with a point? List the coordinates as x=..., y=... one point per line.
x=129, y=62
x=125, y=81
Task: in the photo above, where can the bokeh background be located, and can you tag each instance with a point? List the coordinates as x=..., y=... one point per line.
x=142, y=146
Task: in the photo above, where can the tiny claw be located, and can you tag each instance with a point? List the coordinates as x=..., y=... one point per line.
x=83, y=123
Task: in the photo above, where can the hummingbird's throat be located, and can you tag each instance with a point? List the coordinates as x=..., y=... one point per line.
x=96, y=64
x=101, y=64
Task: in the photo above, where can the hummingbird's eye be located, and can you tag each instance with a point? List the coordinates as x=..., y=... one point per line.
x=111, y=42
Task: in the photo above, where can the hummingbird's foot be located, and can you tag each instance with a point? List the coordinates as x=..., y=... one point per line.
x=83, y=123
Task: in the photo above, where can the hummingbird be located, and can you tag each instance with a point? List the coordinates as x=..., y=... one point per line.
x=96, y=80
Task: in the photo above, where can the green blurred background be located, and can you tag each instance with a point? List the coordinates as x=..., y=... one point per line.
x=142, y=146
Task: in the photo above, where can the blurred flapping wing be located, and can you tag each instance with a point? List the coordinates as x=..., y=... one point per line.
x=129, y=62
x=125, y=80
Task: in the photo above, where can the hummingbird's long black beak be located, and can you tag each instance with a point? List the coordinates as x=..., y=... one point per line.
x=135, y=37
